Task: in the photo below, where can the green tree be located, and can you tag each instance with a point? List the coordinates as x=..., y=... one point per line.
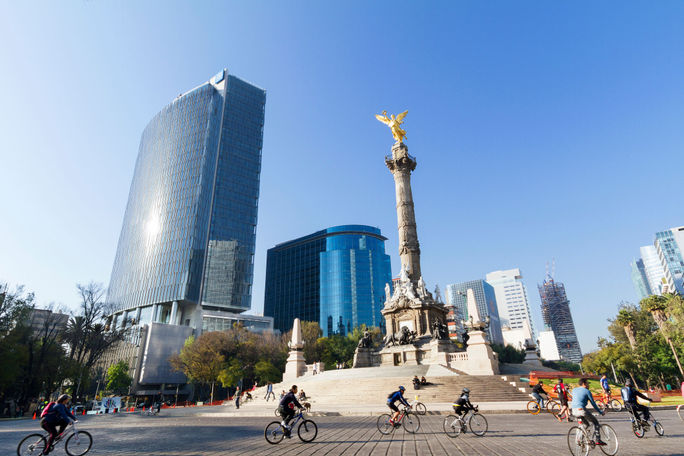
x=118, y=380
x=509, y=354
x=659, y=306
x=202, y=359
x=265, y=372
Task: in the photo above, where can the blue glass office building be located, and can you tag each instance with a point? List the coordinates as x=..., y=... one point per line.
x=336, y=277
x=187, y=241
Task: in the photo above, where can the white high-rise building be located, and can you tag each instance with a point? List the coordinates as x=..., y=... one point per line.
x=511, y=300
x=653, y=268
x=548, y=349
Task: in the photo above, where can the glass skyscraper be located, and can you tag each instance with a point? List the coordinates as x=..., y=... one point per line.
x=485, y=297
x=189, y=229
x=669, y=244
x=556, y=314
x=186, y=249
x=640, y=280
x=335, y=276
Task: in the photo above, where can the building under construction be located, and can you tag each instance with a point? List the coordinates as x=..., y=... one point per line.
x=556, y=314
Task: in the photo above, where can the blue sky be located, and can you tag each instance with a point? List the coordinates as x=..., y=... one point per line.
x=542, y=130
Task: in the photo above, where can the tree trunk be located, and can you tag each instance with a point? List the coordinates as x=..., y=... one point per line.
x=674, y=352
x=629, y=331
x=211, y=401
x=633, y=380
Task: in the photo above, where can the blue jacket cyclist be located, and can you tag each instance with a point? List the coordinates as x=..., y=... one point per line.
x=286, y=408
x=630, y=395
x=581, y=396
x=394, y=397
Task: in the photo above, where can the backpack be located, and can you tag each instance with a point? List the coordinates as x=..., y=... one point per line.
x=47, y=409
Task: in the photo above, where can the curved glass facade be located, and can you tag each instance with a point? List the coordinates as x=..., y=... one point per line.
x=190, y=224
x=335, y=276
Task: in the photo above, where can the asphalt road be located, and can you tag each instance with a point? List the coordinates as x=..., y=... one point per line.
x=180, y=433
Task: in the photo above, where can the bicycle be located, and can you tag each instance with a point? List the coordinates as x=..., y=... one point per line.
x=454, y=425
x=552, y=406
x=76, y=443
x=580, y=442
x=608, y=402
x=639, y=427
x=409, y=420
x=307, y=429
x=418, y=407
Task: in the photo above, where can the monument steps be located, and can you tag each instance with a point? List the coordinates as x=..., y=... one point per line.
x=372, y=385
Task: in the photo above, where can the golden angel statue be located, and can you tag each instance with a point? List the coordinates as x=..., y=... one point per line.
x=394, y=123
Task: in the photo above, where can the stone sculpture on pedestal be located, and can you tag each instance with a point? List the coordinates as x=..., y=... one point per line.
x=481, y=358
x=363, y=356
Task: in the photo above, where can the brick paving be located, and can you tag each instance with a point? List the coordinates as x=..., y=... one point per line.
x=181, y=433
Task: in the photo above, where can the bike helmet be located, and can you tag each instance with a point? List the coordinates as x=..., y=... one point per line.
x=401, y=388
x=466, y=391
x=628, y=382
x=63, y=397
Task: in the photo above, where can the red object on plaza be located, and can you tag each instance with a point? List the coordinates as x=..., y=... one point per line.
x=34, y=413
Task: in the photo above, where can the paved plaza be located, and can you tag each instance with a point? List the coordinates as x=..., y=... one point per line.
x=180, y=432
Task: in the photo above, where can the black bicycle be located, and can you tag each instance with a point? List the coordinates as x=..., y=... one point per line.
x=639, y=427
x=76, y=442
x=307, y=429
x=454, y=425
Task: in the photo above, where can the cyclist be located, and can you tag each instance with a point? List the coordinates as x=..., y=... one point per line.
x=286, y=409
x=462, y=404
x=562, y=392
x=394, y=397
x=57, y=414
x=581, y=396
x=537, y=391
x=629, y=396
x=606, y=388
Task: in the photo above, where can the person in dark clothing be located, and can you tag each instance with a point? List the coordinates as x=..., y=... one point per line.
x=537, y=392
x=462, y=404
x=630, y=395
x=57, y=415
x=394, y=397
x=416, y=382
x=286, y=408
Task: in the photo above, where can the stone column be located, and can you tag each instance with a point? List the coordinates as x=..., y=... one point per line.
x=401, y=164
x=174, y=313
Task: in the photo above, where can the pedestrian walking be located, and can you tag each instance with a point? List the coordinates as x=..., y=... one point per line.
x=237, y=398
x=269, y=392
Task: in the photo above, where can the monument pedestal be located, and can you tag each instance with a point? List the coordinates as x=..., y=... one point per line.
x=400, y=355
x=296, y=365
x=439, y=351
x=363, y=357
x=532, y=358
x=481, y=358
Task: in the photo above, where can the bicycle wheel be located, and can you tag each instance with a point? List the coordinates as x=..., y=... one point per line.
x=274, y=432
x=658, y=428
x=553, y=407
x=478, y=424
x=578, y=443
x=609, y=436
x=533, y=407
x=601, y=406
x=31, y=445
x=307, y=431
x=384, y=425
x=680, y=412
x=638, y=429
x=420, y=408
x=277, y=414
x=411, y=423
x=78, y=443
x=452, y=426
x=615, y=405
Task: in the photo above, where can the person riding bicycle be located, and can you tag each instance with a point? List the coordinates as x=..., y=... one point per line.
x=56, y=415
x=462, y=404
x=537, y=392
x=394, y=397
x=606, y=388
x=286, y=408
x=581, y=396
x=562, y=392
x=629, y=396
